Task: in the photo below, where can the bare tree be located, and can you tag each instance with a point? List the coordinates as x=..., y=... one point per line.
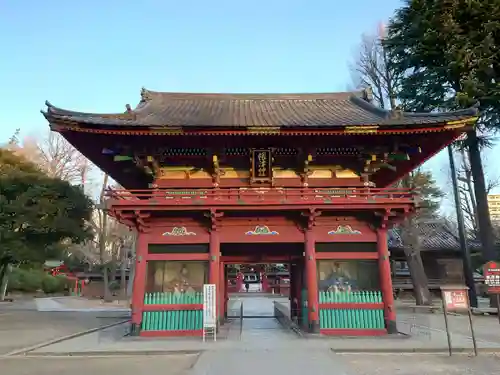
x=466, y=190
x=371, y=68
x=467, y=196
x=58, y=158
x=54, y=155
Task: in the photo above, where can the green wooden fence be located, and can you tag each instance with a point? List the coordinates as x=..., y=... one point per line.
x=172, y=320
x=351, y=318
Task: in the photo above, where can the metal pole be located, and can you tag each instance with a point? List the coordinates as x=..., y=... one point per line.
x=472, y=333
x=466, y=258
x=445, y=312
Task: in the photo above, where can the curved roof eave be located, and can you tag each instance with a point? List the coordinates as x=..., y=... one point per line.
x=321, y=110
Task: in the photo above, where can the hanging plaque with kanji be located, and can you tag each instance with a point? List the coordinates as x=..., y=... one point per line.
x=262, y=170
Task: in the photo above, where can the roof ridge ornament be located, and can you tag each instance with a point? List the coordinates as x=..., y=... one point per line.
x=368, y=94
x=396, y=113
x=145, y=95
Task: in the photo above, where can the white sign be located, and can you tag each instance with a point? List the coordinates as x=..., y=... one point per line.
x=209, y=306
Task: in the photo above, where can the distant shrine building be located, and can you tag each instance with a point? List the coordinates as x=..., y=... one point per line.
x=307, y=180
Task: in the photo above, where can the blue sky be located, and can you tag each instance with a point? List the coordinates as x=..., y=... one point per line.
x=96, y=55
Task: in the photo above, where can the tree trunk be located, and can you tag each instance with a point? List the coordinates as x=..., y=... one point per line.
x=107, y=293
x=5, y=269
x=411, y=244
x=103, y=223
x=483, y=212
x=123, y=274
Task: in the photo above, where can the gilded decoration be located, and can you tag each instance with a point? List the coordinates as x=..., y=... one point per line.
x=344, y=229
x=261, y=230
x=179, y=231
x=262, y=165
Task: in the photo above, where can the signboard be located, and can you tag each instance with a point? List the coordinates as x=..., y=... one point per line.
x=492, y=277
x=262, y=165
x=209, y=306
x=456, y=300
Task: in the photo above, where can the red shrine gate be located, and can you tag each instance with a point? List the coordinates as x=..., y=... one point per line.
x=315, y=239
x=304, y=179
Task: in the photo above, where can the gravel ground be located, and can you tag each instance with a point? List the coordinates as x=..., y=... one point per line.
x=20, y=329
x=168, y=365
x=413, y=364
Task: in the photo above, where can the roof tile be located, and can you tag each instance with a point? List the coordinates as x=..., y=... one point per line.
x=242, y=110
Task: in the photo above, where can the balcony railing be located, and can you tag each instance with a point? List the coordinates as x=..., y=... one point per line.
x=261, y=196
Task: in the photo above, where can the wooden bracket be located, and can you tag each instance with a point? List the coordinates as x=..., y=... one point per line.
x=214, y=217
x=311, y=216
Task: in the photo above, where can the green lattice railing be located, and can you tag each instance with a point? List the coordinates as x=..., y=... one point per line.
x=336, y=317
x=172, y=320
x=170, y=298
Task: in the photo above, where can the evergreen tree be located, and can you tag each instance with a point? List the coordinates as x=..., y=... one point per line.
x=447, y=52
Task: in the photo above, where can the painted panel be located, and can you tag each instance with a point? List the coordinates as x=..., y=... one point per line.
x=178, y=233
x=349, y=231
x=263, y=232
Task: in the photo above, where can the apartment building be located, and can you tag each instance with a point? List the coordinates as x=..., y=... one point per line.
x=494, y=206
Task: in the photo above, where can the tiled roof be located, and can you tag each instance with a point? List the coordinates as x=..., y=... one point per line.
x=158, y=109
x=433, y=236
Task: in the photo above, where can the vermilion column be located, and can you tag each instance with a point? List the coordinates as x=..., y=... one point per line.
x=213, y=268
x=386, y=281
x=139, y=286
x=312, y=282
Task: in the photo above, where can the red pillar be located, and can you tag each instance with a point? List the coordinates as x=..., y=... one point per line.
x=386, y=281
x=265, y=283
x=213, y=271
x=312, y=281
x=139, y=286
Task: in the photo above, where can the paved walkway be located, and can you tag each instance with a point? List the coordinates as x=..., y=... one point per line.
x=24, y=328
x=263, y=348
x=76, y=304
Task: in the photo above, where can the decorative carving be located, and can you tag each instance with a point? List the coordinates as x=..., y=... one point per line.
x=179, y=231
x=344, y=229
x=216, y=171
x=311, y=217
x=261, y=230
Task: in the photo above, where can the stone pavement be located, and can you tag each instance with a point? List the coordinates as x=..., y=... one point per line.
x=262, y=346
x=424, y=333
x=168, y=365
x=24, y=328
x=404, y=364
x=78, y=304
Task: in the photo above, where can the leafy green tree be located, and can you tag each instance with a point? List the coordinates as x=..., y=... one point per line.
x=37, y=213
x=447, y=53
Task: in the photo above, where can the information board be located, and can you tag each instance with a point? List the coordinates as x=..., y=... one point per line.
x=456, y=300
x=209, y=306
x=492, y=277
